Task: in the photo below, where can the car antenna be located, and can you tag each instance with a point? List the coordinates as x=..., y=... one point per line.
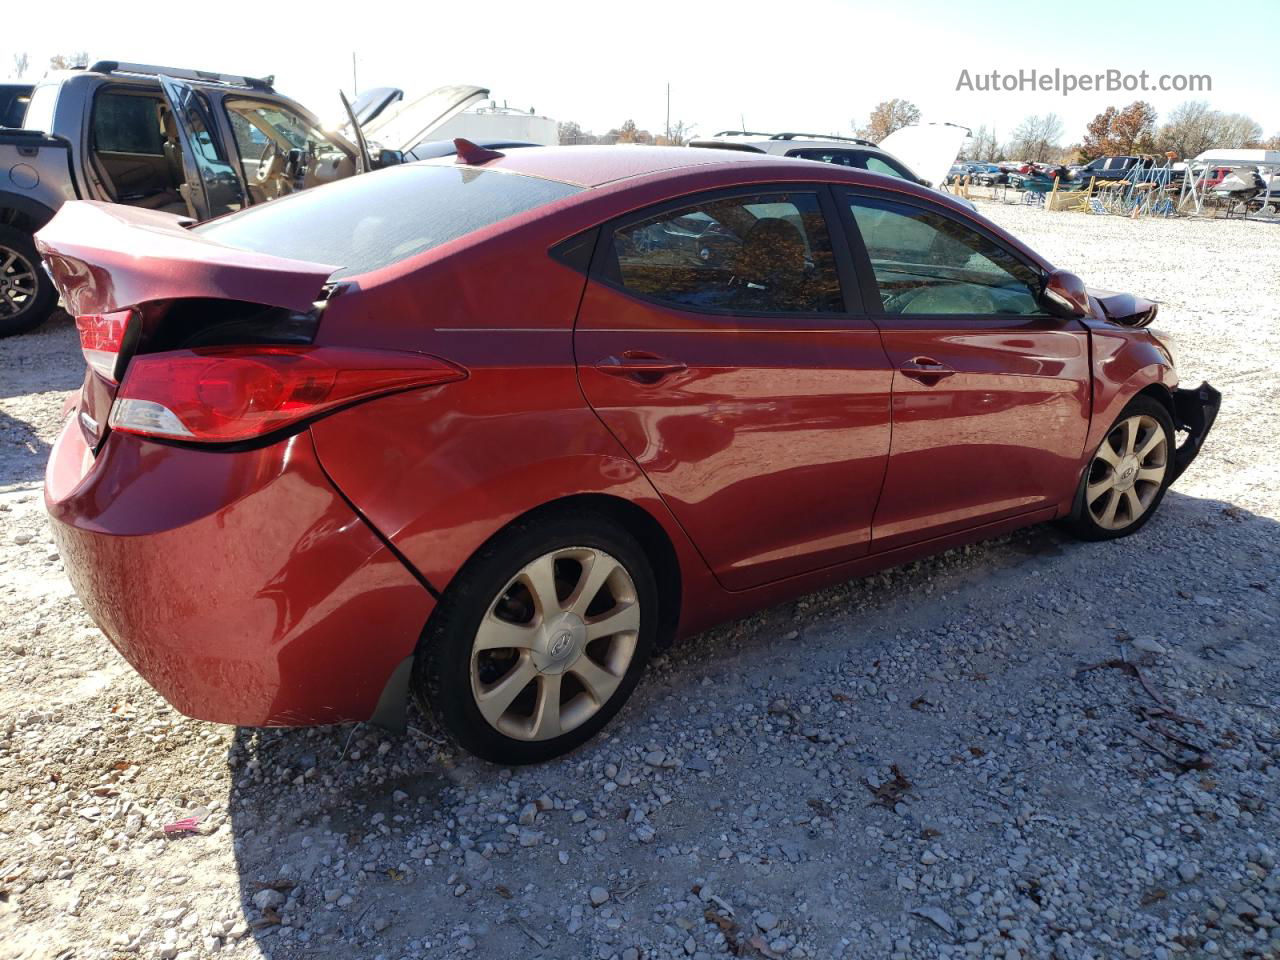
x=473, y=154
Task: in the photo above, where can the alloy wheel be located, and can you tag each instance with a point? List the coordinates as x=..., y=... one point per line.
x=17, y=283
x=1127, y=472
x=555, y=644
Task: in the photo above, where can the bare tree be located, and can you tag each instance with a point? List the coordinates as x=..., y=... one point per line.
x=570, y=132
x=681, y=133
x=1036, y=138
x=1190, y=129
x=982, y=146
x=1238, y=130
x=63, y=61
x=1193, y=127
x=21, y=61
x=888, y=116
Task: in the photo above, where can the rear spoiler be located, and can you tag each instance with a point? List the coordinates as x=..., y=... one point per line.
x=106, y=257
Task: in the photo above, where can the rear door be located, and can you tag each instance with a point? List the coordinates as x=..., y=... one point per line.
x=716, y=344
x=213, y=187
x=990, y=393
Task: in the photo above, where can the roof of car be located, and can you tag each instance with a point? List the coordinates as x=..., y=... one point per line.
x=614, y=167
x=594, y=166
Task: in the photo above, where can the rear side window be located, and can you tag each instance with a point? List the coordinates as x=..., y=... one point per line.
x=876, y=165
x=371, y=221
x=124, y=123
x=768, y=253
x=842, y=158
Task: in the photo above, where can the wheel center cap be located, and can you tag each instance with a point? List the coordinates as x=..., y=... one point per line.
x=560, y=645
x=562, y=642
x=1126, y=473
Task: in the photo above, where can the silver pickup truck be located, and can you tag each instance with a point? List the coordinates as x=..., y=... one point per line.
x=184, y=142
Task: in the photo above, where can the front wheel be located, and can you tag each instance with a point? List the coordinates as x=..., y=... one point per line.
x=541, y=638
x=27, y=296
x=1128, y=475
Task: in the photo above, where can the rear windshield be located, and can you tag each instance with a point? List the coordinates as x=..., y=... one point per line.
x=370, y=221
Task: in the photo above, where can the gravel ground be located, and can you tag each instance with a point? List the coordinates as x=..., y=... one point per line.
x=911, y=765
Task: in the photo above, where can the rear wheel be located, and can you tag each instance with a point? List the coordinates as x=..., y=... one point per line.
x=541, y=639
x=26, y=292
x=1128, y=475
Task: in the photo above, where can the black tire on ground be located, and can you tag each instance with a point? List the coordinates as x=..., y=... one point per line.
x=1082, y=522
x=26, y=303
x=442, y=678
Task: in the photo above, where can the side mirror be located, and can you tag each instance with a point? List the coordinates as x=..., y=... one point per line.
x=1065, y=296
x=388, y=158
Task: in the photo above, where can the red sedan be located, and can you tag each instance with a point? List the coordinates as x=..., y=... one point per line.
x=488, y=431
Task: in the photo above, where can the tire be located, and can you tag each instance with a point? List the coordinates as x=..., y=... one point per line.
x=458, y=666
x=1120, y=473
x=27, y=296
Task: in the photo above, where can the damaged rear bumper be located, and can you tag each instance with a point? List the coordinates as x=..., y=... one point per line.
x=1193, y=412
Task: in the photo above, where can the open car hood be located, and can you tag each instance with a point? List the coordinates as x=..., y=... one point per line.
x=1125, y=308
x=928, y=150
x=402, y=125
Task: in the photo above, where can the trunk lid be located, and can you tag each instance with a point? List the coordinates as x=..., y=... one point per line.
x=403, y=125
x=135, y=280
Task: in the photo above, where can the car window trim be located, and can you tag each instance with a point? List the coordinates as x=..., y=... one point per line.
x=866, y=272
x=128, y=90
x=851, y=300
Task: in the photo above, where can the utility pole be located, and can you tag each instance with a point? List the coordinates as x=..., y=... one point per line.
x=668, y=113
x=355, y=83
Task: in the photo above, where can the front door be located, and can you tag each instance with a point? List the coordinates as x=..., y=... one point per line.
x=714, y=341
x=990, y=393
x=213, y=187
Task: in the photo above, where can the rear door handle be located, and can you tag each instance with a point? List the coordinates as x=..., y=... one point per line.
x=641, y=366
x=925, y=369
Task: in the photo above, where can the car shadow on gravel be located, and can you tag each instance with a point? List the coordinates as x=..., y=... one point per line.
x=350, y=841
x=33, y=365
x=27, y=453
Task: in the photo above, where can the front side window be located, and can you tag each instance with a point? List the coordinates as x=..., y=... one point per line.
x=925, y=263
x=768, y=253
x=262, y=128
x=127, y=123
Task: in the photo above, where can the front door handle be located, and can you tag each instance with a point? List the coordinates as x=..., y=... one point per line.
x=645, y=367
x=926, y=370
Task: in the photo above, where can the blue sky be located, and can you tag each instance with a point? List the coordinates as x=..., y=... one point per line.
x=803, y=65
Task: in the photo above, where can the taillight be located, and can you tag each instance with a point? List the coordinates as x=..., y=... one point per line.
x=222, y=394
x=101, y=337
